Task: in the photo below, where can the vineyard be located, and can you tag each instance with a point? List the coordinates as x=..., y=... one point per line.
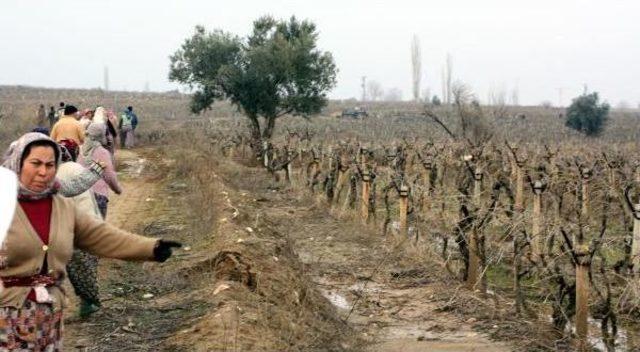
x=528, y=218
x=555, y=227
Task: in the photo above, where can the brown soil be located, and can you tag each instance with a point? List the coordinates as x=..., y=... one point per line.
x=276, y=271
x=392, y=303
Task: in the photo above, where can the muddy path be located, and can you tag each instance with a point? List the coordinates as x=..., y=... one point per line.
x=79, y=334
x=393, y=303
x=135, y=313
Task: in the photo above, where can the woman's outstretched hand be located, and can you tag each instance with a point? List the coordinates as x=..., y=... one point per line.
x=163, y=248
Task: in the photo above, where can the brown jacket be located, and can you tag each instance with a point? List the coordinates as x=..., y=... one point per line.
x=68, y=128
x=69, y=228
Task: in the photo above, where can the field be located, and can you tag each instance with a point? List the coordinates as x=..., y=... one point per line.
x=419, y=228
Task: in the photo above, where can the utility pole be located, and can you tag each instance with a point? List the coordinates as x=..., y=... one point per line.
x=106, y=78
x=364, y=88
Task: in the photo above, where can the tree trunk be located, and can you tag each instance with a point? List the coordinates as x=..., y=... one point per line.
x=256, y=139
x=270, y=126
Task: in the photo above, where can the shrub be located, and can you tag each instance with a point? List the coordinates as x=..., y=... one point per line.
x=587, y=115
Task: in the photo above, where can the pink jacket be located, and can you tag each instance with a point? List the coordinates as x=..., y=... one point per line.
x=109, y=177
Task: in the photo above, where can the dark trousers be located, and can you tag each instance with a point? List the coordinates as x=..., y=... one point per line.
x=102, y=205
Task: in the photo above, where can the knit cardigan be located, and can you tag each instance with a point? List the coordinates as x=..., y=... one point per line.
x=25, y=253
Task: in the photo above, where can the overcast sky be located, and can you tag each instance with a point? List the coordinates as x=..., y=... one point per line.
x=537, y=47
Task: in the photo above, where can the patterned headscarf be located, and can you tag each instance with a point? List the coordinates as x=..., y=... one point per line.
x=13, y=157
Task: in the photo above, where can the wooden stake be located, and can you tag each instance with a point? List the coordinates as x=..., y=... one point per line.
x=404, y=207
x=474, y=274
x=514, y=163
x=313, y=170
x=427, y=186
x=582, y=270
x=635, y=248
x=519, y=198
x=265, y=153
x=289, y=174
x=366, y=188
x=582, y=298
x=538, y=242
x=342, y=175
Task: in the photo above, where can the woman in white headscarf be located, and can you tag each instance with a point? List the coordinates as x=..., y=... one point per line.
x=8, y=197
x=39, y=243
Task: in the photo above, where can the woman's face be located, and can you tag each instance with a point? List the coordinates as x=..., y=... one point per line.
x=38, y=169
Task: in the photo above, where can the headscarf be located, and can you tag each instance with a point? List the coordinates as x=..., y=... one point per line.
x=85, y=112
x=100, y=116
x=13, y=157
x=112, y=122
x=96, y=137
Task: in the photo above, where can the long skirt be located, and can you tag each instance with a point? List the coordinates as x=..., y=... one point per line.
x=127, y=137
x=83, y=267
x=83, y=274
x=111, y=147
x=34, y=327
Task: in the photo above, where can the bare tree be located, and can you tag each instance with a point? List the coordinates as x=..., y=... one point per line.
x=443, y=81
x=364, y=88
x=498, y=103
x=375, y=90
x=416, y=66
x=515, y=96
x=426, y=94
x=471, y=125
x=449, y=79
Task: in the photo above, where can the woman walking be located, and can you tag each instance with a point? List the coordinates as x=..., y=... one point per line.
x=83, y=267
x=45, y=229
x=128, y=122
x=93, y=149
x=112, y=134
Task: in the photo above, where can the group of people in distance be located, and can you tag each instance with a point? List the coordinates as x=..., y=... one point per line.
x=126, y=124
x=59, y=226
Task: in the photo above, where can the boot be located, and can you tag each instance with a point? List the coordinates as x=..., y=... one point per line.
x=87, y=308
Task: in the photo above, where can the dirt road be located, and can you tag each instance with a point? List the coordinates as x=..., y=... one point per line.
x=133, y=317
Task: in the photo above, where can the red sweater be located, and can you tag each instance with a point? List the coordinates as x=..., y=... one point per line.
x=39, y=214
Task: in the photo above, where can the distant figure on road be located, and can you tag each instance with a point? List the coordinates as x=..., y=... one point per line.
x=60, y=111
x=93, y=150
x=127, y=127
x=112, y=122
x=68, y=127
x=41, y=116
x=86, y=118
x=52, y=117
